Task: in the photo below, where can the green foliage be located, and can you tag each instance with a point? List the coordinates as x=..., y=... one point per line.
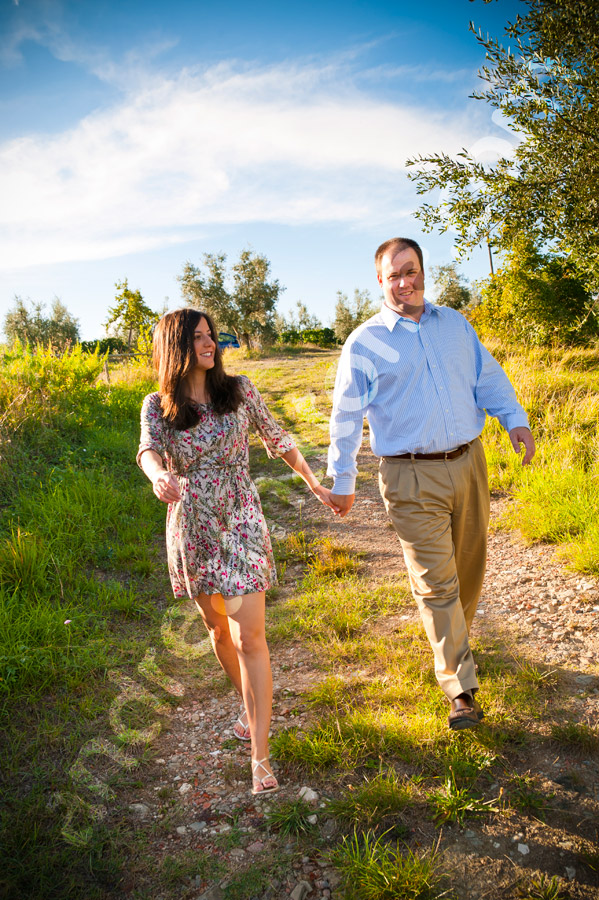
x=104, y=345
x=322, y=337
x=178, y=871
x=370, y=869
x=456, y=804
x=545, y=85
x=291, y=817
x=129, y=316
x=375, y=804
x=59, y=330
x=248, y=309
x=298, y=319
x=544, y=888
x=350, y=314
x=527, y=798
x=451, y=288
x=576, y=735
x=535, y=299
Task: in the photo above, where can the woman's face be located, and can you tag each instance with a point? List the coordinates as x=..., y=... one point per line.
x=203, y=345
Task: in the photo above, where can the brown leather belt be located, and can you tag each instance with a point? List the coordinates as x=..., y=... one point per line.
x=450, y=454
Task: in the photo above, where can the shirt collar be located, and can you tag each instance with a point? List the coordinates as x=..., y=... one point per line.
x=391, y=317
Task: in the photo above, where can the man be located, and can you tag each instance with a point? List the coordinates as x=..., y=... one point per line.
x=425, y=383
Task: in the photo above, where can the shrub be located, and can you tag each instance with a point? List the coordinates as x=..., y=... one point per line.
x=536, y=299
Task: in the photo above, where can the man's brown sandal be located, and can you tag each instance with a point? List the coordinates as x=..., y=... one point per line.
x=465, y=716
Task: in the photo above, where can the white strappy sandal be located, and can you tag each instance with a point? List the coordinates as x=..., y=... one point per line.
x=244, y=725
x=259, y=764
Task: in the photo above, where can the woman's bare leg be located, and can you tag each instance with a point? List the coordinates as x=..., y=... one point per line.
x=217, y=623
x=246, y=625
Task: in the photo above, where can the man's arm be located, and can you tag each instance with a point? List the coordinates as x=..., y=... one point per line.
x=496, y=395
x=353, y=391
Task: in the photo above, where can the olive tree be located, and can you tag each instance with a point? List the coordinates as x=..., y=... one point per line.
x=545, y=86
x=28, y=323
x=242, y=301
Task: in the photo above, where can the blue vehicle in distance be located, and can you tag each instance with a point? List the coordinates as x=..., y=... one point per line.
x=227, y=340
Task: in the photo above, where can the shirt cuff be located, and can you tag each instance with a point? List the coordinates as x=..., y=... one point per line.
x=516, y=420
x=344, y=485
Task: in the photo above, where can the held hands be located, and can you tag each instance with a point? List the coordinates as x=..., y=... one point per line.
x=519, y=436
x=166, y=486
x=324, y=495
x=342, y=502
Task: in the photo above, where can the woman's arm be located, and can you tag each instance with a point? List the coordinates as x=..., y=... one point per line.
x=164, y=484
x=296, y=461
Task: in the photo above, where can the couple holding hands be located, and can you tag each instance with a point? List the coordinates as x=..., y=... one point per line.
x=425, y=383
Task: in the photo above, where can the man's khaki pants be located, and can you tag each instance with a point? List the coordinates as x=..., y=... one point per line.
x=440, y=511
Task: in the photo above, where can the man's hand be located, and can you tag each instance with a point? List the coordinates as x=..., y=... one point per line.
x=324, y=495
x=343, y=502
x=523, y=436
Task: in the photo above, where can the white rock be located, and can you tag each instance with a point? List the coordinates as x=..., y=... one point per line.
x=301, y=890
x=185, y=788
x=140, y=809
x=308, y=795
x=312, y=820
x=523, y=849
x=181, y=829
x=571, y=872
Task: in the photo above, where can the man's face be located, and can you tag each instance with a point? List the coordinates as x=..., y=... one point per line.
x=402, y=281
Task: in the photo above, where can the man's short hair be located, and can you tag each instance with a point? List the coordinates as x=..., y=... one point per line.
x=401, y=244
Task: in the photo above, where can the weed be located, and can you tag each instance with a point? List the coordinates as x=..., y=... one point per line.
x=332, y=560
x=590, y=856
x=249, y=883
x=456, y=804
x=525, y=797
x=372, y=870
x=465, y=759
x=374, y=803
x=178, y=870
x=539, y=678
x=576, y=735
x=323, y=748
x=543, y=888
x=291, y=817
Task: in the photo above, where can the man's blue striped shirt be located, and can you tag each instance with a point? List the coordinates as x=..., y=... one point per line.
x=424, y=387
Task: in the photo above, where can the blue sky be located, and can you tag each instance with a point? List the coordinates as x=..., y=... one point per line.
x=135, y=136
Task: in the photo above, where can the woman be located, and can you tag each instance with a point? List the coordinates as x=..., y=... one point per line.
x=194, y=450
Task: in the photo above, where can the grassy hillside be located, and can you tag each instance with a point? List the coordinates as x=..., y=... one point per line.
x=87, y=626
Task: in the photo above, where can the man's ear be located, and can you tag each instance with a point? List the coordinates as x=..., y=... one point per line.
x=379, y=278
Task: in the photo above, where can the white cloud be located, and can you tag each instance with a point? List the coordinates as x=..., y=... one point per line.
x=292, y=144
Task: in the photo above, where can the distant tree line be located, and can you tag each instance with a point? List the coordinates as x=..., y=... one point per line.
x=536, y=298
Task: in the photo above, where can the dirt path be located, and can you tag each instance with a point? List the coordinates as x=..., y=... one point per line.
x=551, y=617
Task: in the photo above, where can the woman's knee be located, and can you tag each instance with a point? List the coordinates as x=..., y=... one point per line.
x=216, y=624
x=249, y=642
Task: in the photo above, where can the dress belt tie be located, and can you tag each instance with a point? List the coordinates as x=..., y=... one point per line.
x=448, y=454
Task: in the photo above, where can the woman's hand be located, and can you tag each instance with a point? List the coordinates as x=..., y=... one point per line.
x=166, y=486
x=324, y=495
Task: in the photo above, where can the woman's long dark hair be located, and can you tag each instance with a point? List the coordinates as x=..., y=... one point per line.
x=175, y=358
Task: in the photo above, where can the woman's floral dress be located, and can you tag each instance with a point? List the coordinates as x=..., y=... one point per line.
x=216, y=537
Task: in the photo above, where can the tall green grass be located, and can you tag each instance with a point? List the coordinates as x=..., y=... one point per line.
x=76, y=511
x=556, y=499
